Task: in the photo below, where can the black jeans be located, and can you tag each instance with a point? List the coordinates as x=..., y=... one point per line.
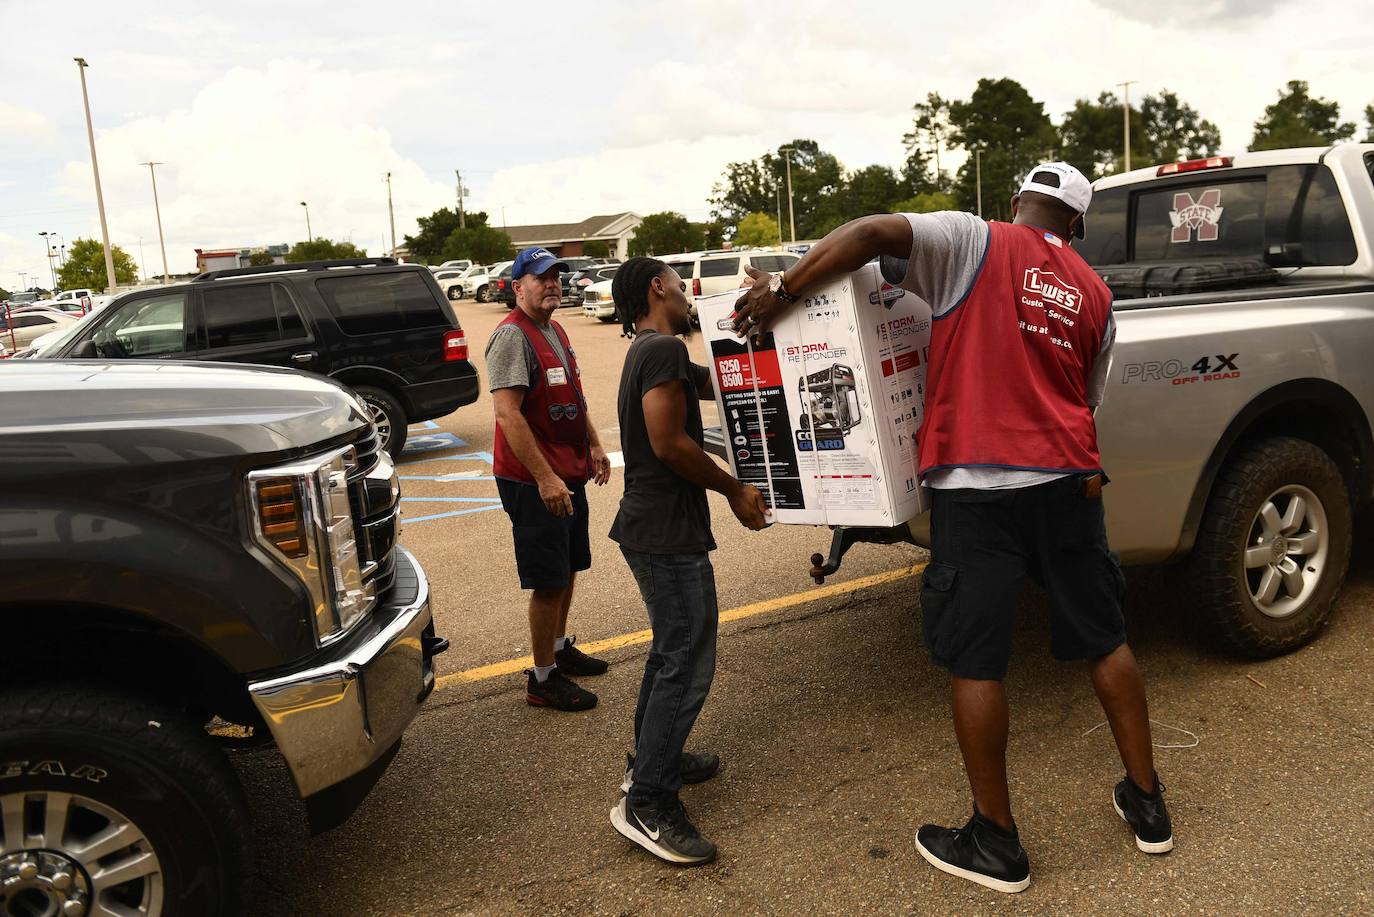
x=679, y=592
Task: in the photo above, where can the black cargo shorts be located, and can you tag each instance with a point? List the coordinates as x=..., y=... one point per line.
x=984, y=542
x=548, y=548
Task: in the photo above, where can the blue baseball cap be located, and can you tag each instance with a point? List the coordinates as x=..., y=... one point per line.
x=534, y=260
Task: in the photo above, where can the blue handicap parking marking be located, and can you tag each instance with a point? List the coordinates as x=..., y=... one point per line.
x=481, y=505
x=431, y=442
x=426, y=425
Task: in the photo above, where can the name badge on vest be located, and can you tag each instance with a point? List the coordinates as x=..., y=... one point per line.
x=557, y=375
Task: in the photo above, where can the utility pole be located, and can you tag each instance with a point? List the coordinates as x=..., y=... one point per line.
x=978, y=176
x=141, y=262
x=47, y=250
x=787, y=152
x=1126, y=120
x=462, y=215
x=309, y=236
x=391, y=211
x=157, y=208
x=81, y=66
x=777, y=200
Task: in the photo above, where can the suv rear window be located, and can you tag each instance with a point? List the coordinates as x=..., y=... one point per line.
x=242, y=315
x=719, y=267
x=376, y=303
x=773, y=263
x=1291, y=216
x=683, y=268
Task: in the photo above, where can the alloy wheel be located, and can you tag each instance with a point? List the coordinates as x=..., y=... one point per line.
x=1287, y=551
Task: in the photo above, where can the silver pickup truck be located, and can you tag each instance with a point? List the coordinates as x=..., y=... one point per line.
x=1236, y=425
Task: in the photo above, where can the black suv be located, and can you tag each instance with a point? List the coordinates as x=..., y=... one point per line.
x=383, y=329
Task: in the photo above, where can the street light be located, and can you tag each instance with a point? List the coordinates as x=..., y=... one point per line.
x=1126, y=121
x=47, y=250
x=81, y=66
x=309, y=236
x=787, y=152
x=157, y=208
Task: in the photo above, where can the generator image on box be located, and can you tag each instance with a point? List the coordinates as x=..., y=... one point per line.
x=830, y=408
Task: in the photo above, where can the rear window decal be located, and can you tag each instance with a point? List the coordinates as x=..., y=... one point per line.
x=1202, y=215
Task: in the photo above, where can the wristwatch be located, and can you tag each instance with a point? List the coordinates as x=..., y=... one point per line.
x=777, y=289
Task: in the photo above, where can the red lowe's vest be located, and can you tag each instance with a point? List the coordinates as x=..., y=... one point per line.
x=1006, y=386
x=556, y=394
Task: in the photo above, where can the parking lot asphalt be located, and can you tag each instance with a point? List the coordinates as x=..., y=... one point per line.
x=835, y=735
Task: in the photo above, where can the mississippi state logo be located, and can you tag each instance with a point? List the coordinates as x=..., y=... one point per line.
x=1201, y=215
x=1051, y=289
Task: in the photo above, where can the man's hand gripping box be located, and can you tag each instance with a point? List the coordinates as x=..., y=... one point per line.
x=821, y=414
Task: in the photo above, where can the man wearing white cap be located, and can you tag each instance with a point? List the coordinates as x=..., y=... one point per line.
x=1019, y=351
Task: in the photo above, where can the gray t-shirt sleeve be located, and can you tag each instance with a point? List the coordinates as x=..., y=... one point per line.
x=511, y=362
x=947, y=251
x=1097, y=379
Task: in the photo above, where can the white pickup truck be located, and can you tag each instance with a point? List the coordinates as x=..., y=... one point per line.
x=1236, y=426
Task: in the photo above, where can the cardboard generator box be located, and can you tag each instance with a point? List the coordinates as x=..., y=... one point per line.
x=821, y=414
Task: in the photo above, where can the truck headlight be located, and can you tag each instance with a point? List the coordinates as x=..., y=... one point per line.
x=302, y=515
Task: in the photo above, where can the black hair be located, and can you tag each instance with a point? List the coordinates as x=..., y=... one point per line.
x=630, y=290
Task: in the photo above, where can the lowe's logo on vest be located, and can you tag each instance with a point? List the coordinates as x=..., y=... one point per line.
x=1202, y=215
x=1051, y=289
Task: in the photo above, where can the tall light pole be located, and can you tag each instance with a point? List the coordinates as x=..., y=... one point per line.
x=47, y=250
x=787, y=152
x=978, y=176
x=157, y=208
x=309, y=236
x=777, y=200
x=391, y=212
x=81, y=66
x=1126, y=120
x=462, y=211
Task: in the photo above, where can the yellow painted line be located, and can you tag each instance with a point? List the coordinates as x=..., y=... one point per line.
x=639, y=637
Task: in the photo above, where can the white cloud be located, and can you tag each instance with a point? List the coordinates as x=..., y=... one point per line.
x=252, y=145
x=23, y=133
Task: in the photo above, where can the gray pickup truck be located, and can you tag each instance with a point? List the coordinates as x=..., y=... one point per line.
x=1236, y=425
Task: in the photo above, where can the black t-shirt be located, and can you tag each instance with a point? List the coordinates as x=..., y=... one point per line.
x=660, y=512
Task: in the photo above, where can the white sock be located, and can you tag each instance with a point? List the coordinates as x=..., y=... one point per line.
x=559, y=643
x=541, y=672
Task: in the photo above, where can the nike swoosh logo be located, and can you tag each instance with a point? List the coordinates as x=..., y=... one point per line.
x=653, y=835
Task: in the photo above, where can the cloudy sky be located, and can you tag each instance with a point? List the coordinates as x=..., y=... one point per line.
x=562, y=110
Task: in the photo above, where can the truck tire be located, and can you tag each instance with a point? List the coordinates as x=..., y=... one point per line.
x=388, y=415
x=152, y=817
x=1273, y=548
x=455, y=293
x=483, y=294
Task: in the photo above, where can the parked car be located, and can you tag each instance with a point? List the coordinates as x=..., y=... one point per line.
x=475, y=282
x=570, y=267
x=580, y=280
x=450, y=281
x=711, y=272
x=597, y=301
x=205, y=544
x=25, y=298
x=19, y=327
x=76, y=294
x=69, y=306
x=1237, y=419
x=462, y=264
x=502, y=290
x=382, y=328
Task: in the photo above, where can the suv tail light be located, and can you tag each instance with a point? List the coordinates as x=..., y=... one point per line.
x=1195, y=165
x=696, y=287
x=455, y=346
x=500, y=283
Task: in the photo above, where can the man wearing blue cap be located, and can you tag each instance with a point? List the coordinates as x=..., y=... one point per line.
x=546, y=450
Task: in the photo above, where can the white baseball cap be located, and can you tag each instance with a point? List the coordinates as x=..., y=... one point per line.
x=1061, y=180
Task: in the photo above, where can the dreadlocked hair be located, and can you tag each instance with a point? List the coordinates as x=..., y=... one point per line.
x=630, y=290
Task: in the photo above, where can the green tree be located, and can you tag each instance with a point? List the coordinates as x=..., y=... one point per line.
x=760, y=186
x=259, y=259
x=758, y=229
x=1174, y=131
x=479, y=242
x=665, y=234
x=85, y=266
x=927, y=202
x=596, y=248
x=322, y=249
x=1300, y=119
x=1014, y=133
x=1091, y=135
x=4, y=293
x=745, y=188
x=1369, y=121
x=928, y=137
x=872, y=189
x=435, y=229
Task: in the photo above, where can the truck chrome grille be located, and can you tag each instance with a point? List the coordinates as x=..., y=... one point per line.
x=376, y=510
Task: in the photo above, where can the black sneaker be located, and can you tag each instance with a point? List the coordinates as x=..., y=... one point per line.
x=573, y=661
x=665, y=832
x=980, y=852
x=557, y=692
x=695, y=767
x=1146, y=814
